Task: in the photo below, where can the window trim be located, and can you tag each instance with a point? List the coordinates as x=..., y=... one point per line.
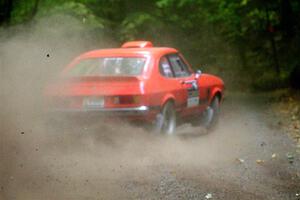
x=186, y=66
x=171, y=68
x=190, y=69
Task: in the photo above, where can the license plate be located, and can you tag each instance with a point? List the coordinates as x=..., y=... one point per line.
x=94, y=102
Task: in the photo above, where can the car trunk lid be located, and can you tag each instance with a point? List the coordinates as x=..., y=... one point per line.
x=95, y=86
x=95, y=92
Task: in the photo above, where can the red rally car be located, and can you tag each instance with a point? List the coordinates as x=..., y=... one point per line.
x=137, y=82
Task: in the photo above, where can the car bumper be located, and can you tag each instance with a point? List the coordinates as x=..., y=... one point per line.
x=133, y=113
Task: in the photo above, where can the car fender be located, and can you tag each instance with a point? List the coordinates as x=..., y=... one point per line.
x=214, y=91
x=166, y=98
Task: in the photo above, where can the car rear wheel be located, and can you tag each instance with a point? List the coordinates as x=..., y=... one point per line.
x=210, y=116
x=166, y=119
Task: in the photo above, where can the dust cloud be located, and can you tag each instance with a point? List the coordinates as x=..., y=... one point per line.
x=75, y=160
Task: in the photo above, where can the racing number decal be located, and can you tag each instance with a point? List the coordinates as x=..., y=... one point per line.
x=193, y=94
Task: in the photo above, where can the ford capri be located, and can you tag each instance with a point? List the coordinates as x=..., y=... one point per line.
x=137, y=82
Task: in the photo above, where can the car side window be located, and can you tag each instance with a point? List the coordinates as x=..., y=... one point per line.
x=179, y=67
x=165, y=67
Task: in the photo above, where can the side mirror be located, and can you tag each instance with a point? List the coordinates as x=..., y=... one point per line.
x=198, y=74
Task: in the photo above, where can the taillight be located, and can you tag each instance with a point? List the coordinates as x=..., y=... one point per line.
x=128, y=99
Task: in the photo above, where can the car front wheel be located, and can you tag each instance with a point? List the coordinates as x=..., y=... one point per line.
x=166, y=119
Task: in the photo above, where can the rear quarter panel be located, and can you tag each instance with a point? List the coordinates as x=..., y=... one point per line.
x=160, y=89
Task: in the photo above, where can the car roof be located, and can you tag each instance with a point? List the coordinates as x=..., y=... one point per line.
x=129, y=52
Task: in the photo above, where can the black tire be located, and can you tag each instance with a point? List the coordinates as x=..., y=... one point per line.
x=210, y=116
x=166, y=120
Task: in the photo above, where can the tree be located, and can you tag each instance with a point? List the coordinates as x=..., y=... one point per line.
x=6, y=7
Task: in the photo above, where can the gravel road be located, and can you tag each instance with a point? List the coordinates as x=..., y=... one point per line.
x=245, y=157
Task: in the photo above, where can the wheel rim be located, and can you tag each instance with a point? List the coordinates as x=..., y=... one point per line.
x=166, y=120
x=211, y=114
x=208, y=116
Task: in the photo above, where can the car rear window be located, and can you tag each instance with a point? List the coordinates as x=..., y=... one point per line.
x=109, y=66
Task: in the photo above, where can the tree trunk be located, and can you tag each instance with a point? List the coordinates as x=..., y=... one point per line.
x=5, y=11
x=286, y=18
x=272, y=40
x=35, y=9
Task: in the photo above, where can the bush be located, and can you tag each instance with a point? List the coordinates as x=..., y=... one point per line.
x=270, y=81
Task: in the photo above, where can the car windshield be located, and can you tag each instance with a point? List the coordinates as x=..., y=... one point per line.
x=109, y=66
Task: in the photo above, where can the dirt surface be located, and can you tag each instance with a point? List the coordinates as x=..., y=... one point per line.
x=93, y=161
x=286, y=104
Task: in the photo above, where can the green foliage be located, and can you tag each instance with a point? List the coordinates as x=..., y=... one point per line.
x=133, y=25
x=77, y=10
x=270, y=81
x=22, y=11
x=233, y=38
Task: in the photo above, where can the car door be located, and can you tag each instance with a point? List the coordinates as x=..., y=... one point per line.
x=203, y=87
x=188, y=83
x=170, y=84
